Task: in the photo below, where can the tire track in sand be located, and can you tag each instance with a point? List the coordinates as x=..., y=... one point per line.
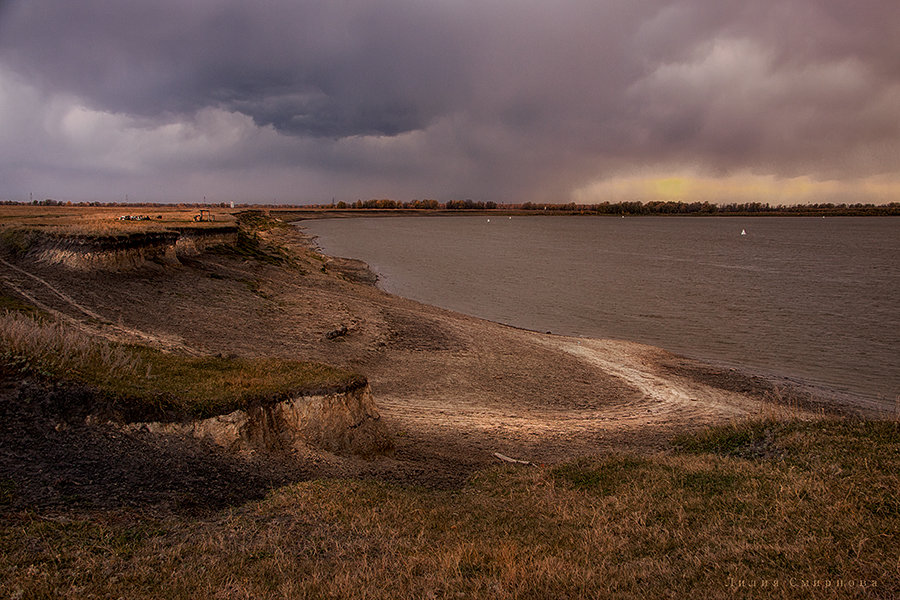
x=664, y=399
x=104, y=325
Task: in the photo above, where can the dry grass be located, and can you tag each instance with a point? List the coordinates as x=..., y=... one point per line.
x=22, y=230
x=146, y=384
x=89, y=219
x=821, y=509
x=48, y=348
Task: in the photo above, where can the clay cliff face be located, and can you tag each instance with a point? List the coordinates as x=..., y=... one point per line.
x=193, y=241
x=344, y=423
x=126, y=252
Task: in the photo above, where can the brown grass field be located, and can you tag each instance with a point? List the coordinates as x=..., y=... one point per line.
x=779, y=509
x=101, y=218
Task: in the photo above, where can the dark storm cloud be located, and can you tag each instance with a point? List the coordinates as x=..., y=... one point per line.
x=332, y=69
x=513, y=99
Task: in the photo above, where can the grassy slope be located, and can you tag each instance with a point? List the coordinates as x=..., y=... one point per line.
x=818, y=508
x=141, y=383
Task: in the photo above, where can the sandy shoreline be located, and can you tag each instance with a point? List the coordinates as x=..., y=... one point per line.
x=826, y=395
x=646, y=393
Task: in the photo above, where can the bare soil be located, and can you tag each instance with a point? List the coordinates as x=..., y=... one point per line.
x=453, y=389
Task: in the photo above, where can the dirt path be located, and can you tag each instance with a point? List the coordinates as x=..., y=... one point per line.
x=96, y=325
x=663, y=399
x=48, y=286
x=644, y=414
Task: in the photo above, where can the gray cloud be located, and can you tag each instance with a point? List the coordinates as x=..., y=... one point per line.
x=499, y=99
x=305, y=67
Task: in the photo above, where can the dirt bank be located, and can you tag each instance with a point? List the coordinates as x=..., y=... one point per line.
x=344, y=422
x=119, y=250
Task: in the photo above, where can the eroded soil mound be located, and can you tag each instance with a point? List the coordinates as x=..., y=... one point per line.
x=51, y=459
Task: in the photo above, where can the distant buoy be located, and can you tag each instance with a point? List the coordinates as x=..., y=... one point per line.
x=743, y=232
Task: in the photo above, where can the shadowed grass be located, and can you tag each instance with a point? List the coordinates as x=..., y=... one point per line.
x=747, y=439
x=604, y=478
x=12, y=304
x=695, y=523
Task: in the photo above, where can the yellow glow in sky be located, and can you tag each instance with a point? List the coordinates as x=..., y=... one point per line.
x=744, y=187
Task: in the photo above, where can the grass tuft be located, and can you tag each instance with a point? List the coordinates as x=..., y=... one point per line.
x=605, y=477
x=747, y=439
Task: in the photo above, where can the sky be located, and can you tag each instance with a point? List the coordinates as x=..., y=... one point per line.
x=295, y=101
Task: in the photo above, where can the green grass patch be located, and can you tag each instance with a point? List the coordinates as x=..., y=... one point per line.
x=747, y=439
x=837, y=443
x=205, y=386
x=604, y=477
x=141, y=383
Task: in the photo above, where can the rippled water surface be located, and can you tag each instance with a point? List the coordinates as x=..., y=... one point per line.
x=810, y=298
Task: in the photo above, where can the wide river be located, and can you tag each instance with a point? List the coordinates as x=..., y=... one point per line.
x=815, y=300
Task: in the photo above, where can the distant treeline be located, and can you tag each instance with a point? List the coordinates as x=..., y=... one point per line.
x=385, y=203
x=51, y=202
x=636, y=208
x=604, y=208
